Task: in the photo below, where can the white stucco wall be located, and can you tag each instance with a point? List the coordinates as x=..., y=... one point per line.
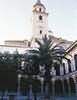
x=37, y=24
x=70, y=55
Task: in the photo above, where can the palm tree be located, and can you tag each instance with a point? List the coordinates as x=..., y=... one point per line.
x=31, y=63
x=45, y=55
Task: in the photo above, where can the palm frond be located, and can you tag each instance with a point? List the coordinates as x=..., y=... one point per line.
x=57, y=45
x=38, y=42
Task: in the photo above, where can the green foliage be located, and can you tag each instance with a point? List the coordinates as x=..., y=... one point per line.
x=8, y=71
x=44, y=55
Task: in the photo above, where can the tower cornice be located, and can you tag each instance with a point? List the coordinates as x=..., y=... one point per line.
x=41, y=12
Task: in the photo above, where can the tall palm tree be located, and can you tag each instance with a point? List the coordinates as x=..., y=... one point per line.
x=45, y=55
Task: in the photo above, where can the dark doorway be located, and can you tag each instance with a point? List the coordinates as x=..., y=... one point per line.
x=57, y=68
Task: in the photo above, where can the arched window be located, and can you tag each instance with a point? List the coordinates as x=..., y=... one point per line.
x=40, y=17
x=40, y=31
x=57, y=68
x=40, y=9
x=69, y=65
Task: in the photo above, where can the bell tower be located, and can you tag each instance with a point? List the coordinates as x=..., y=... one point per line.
x=39, y=20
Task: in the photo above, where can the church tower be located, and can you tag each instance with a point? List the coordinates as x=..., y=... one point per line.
x=39, y=20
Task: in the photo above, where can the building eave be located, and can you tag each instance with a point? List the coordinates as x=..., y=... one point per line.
x=13, y=46
x=71, y=47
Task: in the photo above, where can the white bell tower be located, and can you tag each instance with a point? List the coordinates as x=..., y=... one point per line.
x=39, y=20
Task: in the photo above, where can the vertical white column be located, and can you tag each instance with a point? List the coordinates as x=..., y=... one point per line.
x=30, y=89
x=63, y=85
x=53, y=71
x=53, y=87
x=73, y=68
x=66, y=67
x=61, y=70
x=46, y=89
x=69, y=89
x=42, y=84
x=19, y=83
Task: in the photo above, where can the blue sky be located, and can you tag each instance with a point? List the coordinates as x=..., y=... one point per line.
x=15, y=18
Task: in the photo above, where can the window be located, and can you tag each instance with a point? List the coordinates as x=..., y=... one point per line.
x=40, y=17
x=57, y=68
x=40, y=9
x=40, y=31
x=69, y=65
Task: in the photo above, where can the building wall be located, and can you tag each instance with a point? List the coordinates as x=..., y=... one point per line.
x=23, y=43
x=37, y=24
x=71, y=55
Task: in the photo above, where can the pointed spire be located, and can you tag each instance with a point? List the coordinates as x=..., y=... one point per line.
x=38, y=1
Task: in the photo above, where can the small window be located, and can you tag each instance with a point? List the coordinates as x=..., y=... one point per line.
x=40, y=31
x=40, y=9
x=40, y=18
